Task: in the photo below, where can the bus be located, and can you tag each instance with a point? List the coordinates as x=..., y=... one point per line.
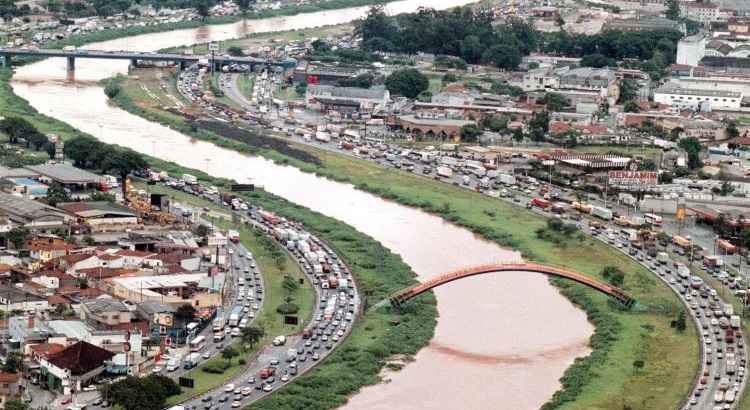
x=192, y=328
x=235, y=316
x=197, y=344
x=653, y=219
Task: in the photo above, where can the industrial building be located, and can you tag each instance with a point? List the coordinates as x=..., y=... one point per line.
x=31, y=213
x=695, y=99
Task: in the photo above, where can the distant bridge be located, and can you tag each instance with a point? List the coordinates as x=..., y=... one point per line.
x=406, y=294
x=182, y=60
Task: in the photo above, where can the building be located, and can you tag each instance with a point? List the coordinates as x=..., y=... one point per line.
x=702, y=12
x=27, y=187
x=648, y=23
x=346, y=99
x=105, y=312
x=14, y=299
x=467, y=112
x=32, y=214
x=102, y=216
x=432, y=126
x=324, y=75
x=543, y=78
x=73, y=368
x=9, y=387
x=602, y=80
x=197, y=289
x=75, y=179
x=47, y=247
x=695, y=99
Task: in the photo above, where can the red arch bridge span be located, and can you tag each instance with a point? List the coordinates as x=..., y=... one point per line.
x=616, y=293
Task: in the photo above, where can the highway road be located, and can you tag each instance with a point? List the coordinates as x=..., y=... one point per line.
x=327, y=334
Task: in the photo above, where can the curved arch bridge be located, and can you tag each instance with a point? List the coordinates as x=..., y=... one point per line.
x=404, y=295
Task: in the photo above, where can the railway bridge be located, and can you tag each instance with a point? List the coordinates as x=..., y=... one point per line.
x=403, y=295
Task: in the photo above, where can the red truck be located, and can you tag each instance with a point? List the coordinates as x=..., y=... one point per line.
x=267, y=372
x=541, y=203
x=726, y=246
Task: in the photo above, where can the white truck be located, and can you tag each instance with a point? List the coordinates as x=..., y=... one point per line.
x=601, y=212
x=507, y=179
x=173, y=365
x=279, y=340
x=323, y=136
x=662, y=258
x=444, y=172
x=189, y=179
x=735, y=321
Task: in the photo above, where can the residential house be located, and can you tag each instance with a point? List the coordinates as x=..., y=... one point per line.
x=105, y=312
x=13, y=299
x=71, y=369
x=9, y=387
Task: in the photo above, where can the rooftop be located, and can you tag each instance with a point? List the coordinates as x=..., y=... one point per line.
x=81, y=358
x=65, y=173
x=27, y=211
x=377, y=92
x=98, y=209
x=434, y=121
x=102, y=305
x=144, y=284
x=672, y=89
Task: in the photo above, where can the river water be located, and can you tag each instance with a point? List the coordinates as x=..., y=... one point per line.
x=502, y=341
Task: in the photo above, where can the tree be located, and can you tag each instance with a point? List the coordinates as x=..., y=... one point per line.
x=559, y=21
x=673, y=9
x=680, y=323
x=301, y=88
x=518, y=134
x=555, y=101
x=504, y=56
x=726, y=188
x=472, y=49
x=449, y=78
x=56, y=194
x=112, y=89
x=470, y=133
x=732, y=131
x=15, y=128
x=613, y=275
x=17, y=236
x=408, y=82
x=631, y=106
x=147, y=393
x=628, y=91
x=122, y=162
x=202, y=230
x=12, y=363
x=539, y=125
x=244, y=5
x=692, y=147
x=638, y=365
x=37, y=140
x=235, y=51
x=252, y=335
x=597, y=61
x=202, y=7
x=16, y=404
x=185, y=313
x=229, y=353
x=289, y=284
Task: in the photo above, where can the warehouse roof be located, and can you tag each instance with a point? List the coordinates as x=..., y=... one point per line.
x=98, y=209
x=26, y=211
x=65, y=173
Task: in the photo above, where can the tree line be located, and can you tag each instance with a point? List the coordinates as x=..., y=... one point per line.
x=20, y=130
x=469, y=34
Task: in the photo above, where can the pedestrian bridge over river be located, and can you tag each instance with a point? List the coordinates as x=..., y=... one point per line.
x=406, y=294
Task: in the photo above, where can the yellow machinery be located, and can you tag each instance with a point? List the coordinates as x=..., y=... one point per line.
x=142, y=205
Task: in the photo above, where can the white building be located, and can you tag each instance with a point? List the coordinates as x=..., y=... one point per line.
x=685, y=98
x=702, y=12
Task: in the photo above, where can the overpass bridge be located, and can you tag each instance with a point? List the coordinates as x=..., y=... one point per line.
x=134, y=57
x=404, y=295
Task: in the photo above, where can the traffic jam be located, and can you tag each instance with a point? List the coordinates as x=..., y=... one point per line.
x=720, y=328
x=335, y=312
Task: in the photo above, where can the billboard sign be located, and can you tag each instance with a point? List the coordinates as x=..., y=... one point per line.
x=633, y=178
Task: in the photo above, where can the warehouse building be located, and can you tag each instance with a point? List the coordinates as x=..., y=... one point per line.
x=31, y=213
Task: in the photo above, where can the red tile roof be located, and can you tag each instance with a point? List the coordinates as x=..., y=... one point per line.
x=57, y=300
x=81, y=358
x=9, y=377
x=47, y=349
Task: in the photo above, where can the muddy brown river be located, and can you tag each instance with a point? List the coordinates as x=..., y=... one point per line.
x=502, y=341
